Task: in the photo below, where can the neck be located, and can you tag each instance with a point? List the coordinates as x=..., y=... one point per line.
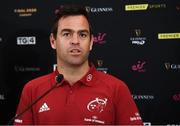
x=73, y=73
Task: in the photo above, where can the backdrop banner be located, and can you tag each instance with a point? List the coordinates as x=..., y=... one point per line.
x=136, y=41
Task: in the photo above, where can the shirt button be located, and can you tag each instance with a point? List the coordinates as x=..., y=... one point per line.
x=70, y=91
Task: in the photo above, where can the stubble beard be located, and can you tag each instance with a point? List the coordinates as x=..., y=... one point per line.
x=73, y=61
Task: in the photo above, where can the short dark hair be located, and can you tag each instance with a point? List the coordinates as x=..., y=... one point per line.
x=69, y=10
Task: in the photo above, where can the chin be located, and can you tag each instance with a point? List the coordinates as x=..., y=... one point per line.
x=76, y=63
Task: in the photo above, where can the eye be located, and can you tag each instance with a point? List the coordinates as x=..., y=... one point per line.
x=83, y=35
x=66, y=34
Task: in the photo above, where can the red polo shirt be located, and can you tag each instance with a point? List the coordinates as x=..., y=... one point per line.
x=97, y=98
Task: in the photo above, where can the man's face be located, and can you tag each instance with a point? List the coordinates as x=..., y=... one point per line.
x=73, y=41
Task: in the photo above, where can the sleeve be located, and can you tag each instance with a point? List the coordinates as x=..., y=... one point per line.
x=25, y=100
x=126, y=110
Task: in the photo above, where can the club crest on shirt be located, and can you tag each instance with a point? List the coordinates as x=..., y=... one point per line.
x=97, y=105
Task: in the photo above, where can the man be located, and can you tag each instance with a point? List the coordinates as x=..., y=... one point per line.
x=85, y=95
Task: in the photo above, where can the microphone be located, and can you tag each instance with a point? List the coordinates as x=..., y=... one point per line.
x=58, y=79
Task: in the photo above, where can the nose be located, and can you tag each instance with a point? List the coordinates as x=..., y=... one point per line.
x=75, y=39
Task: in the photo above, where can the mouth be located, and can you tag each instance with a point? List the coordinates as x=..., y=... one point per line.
x=75, y=51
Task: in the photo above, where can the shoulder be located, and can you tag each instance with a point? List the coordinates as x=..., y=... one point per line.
x=113, y=86
x=110, y=80
x=39, y=81
x=108, y=77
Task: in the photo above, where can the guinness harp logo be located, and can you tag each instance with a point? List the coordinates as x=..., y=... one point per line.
x=88, y=9
x=99, y=63
x=167, y=65
x=137, y=32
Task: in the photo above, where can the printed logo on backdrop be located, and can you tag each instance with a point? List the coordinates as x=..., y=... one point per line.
x=2, y=97
x=26, y=40
x=54, y=67
x=176, y=97
x=1, y=39
x=143, y=7
x=98, y=9
x=157, y=6
x=178, y=7
x=147, y=123
x=25, y=12
x=26, y=69
x=173, y=124
x=168, y=35
x=172, y=66
x=143, y=97
x=137, y=38
x=136, y=7
x=90, y=9
x=100, y=66
x=139, y=66
x=99, y=38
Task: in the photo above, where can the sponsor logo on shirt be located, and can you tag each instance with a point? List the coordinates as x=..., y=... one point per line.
x=135, y=117
x=44, y=107
x=18, y=121
x=94, y=119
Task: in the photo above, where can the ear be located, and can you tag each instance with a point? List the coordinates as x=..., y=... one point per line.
x=91, y=42
x=52, y=41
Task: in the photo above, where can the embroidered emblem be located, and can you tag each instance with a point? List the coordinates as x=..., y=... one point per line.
x=89, y=77
x=97, y=105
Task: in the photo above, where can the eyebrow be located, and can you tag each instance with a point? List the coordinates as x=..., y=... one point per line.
x=70, y=30
x=66, y=30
